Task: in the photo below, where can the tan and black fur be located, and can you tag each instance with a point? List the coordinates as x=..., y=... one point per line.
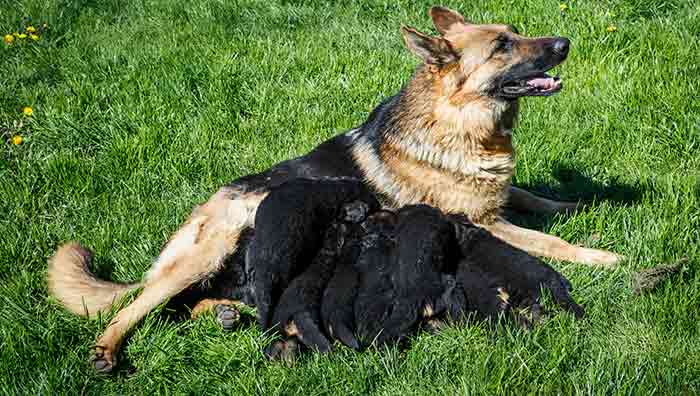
x=444, y=140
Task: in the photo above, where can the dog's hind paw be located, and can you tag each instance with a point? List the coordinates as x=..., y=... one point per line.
x=102, y=359
x=227, y=315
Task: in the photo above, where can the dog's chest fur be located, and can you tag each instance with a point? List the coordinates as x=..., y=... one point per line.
x=473, y=182
x=458, y=158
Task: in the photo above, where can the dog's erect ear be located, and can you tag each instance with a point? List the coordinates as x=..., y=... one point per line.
x=444, y=18
x=432, y=50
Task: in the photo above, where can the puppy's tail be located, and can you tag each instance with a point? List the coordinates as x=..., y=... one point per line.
x=73, y=284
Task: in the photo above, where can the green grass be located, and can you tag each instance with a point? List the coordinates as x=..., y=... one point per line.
x=142, y=109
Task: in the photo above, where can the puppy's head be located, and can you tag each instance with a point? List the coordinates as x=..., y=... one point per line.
x=381, y=222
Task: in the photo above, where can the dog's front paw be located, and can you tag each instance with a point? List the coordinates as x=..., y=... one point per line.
x=102, y=359
x=597, y=257
x=227, y=315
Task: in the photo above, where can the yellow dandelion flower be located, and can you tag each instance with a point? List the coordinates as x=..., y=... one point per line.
x=8, y=39
x=22, y=36
x=611, y=28
x=27, y=111
x=15, y=34
x=34, y=37
x=31, y=29
x=17, y=140
x=563, y=7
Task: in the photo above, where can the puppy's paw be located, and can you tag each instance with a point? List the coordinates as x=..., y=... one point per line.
x=528, y=317
x=102, y=359
x=433, y=325
x=227, y=315
x=284, y=351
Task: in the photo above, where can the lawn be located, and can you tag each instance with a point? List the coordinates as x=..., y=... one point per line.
x=142, y=109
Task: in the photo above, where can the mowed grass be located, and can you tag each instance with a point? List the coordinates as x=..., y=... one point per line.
x=142, y=109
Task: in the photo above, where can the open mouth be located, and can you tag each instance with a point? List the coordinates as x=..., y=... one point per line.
x=537, y=84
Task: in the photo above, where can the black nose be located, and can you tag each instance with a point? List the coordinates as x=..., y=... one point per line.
x=561, y=46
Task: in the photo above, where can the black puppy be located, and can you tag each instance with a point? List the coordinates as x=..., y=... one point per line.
x=365, y=291
x=402, y=270
x=337, y=303
x=425, y=265
x=299, y=308
x=496, y=277
x=289, y=227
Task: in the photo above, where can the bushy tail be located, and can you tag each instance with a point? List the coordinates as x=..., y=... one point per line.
x=72, y=283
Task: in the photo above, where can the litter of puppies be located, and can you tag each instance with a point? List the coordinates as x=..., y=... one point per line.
x=328, y=264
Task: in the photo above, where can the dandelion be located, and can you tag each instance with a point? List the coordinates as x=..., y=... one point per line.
x=27, y=111
x=611, y=28
x=21, y=36
x=15, y=34
x=17, y=140
x=8, y=39
x=34, y=37
x=563, y=7
x=31, y=29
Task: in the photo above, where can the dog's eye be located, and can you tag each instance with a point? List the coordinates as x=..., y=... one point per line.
x=503, y=43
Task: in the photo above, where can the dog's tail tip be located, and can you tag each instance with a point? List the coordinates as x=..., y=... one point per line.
x=72, y=283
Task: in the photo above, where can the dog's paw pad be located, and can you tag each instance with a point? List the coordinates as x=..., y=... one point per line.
x=102, y=360
x=227, y=315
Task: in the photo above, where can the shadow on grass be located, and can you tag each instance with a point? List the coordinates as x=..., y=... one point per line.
x=575, y=186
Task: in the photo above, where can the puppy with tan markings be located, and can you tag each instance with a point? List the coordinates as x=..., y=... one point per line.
x=409, y=284
x=290, y=229
x=497, y=277
x=298, y=311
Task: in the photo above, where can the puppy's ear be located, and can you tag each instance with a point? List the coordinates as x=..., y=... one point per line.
x=432, y=50
x=445, y=18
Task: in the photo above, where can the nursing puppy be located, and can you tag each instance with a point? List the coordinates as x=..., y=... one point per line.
x=337, y=306
x=409, y=284
x=496, y=277
x=298, y=313
x=290, y=225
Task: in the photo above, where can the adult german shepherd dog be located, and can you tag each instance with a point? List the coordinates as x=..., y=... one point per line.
x=443, y=140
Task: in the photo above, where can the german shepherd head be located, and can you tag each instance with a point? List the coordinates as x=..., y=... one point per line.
x=445, y=139
x=487, y=60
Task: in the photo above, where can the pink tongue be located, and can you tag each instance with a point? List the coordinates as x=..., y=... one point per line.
x=544, y=83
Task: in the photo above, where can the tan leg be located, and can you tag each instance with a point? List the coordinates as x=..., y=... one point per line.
x=541, y=244
x=524, y=200
x=196, y=250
